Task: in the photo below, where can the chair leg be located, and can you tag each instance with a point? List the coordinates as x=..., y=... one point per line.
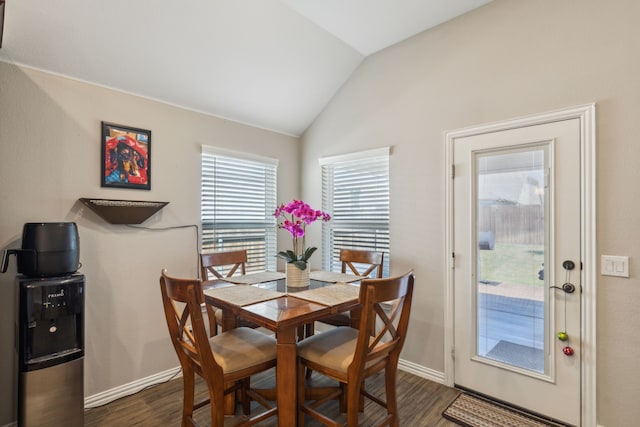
x=301, y=392
x=343, y=398
x=213, y=324
x=353, y=403
x=309, y=330
x=390, y=389
x=217, y=405
x=246, y=402
x=188, y=384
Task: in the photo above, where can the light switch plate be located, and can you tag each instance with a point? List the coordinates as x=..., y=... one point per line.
x=614, y=265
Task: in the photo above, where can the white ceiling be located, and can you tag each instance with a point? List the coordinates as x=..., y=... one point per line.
x=273, y=64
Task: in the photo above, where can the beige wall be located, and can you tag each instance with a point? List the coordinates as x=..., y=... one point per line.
x=50, y=156
x=505, y=60
x=508, y=59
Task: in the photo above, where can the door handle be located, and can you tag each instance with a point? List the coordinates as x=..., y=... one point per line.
x=568, y=287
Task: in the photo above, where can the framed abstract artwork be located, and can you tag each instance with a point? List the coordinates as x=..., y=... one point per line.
x=126, y=157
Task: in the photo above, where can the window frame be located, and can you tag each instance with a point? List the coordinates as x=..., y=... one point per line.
x=374, y=229
x=257, y=219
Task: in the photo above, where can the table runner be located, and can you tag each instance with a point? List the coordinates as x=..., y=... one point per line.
x=333, y=277
x=243, y=295
x=329, y=295
x=254, y=278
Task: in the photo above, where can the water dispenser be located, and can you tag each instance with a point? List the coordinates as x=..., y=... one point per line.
x=50, y=346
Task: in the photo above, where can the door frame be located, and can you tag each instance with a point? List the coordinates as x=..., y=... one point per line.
x=586, y=116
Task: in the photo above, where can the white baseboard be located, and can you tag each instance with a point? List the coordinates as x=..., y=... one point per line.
x=421, y=371
x=128, y=389
x=133, y=387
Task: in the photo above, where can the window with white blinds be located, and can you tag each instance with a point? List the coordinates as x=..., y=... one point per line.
x=355, y=191
x=238, y=201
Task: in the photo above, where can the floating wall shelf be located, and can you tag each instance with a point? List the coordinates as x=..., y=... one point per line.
x=123, y=211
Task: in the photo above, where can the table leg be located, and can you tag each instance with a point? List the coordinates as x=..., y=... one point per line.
x=286, y=371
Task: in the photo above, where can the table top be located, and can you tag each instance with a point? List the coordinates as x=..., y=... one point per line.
x=253, y=278
x=275, y=306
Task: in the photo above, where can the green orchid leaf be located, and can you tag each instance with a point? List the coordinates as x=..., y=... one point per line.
x=291, y=254
x=308, y=253
x=300, y=264
x=288, y=256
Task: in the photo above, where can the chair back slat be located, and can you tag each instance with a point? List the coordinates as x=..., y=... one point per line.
x=182, y=301
x=235, y=259
x=362, y=263
x=208, y=264
x=386, y=332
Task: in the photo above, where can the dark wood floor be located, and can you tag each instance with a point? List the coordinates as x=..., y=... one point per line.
x=420, y=401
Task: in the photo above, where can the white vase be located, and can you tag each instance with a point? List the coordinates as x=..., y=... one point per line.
x=297, y=278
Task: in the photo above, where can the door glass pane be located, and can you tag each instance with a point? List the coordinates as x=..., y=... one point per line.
x=510, y=224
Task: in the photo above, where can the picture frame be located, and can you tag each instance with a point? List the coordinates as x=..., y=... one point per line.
x=126, y=157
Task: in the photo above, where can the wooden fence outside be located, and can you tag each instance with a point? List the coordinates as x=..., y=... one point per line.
x=523, y=224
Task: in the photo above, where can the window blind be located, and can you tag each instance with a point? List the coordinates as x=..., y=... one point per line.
x=355, y=191
x=238, y=201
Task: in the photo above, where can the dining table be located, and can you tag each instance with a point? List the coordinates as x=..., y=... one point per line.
x=267, y=301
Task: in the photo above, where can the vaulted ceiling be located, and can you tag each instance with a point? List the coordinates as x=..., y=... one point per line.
x=273, y=64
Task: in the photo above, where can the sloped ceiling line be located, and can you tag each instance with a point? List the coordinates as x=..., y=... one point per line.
x=273, y=64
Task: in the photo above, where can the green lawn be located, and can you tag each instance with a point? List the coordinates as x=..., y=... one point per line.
x=512, y=263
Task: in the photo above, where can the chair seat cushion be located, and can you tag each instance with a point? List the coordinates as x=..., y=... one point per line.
x=333, y=348
x=242, y=348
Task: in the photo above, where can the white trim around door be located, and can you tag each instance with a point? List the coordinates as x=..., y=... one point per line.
x=586, y=115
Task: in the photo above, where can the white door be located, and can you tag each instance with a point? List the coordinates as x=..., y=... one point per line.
x=516, y=242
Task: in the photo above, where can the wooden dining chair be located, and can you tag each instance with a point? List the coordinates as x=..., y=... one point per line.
x=228, y=358
x=350, y=355
x=361, y=263
x=372, y=261
x=210, y=269
x=235, y=259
